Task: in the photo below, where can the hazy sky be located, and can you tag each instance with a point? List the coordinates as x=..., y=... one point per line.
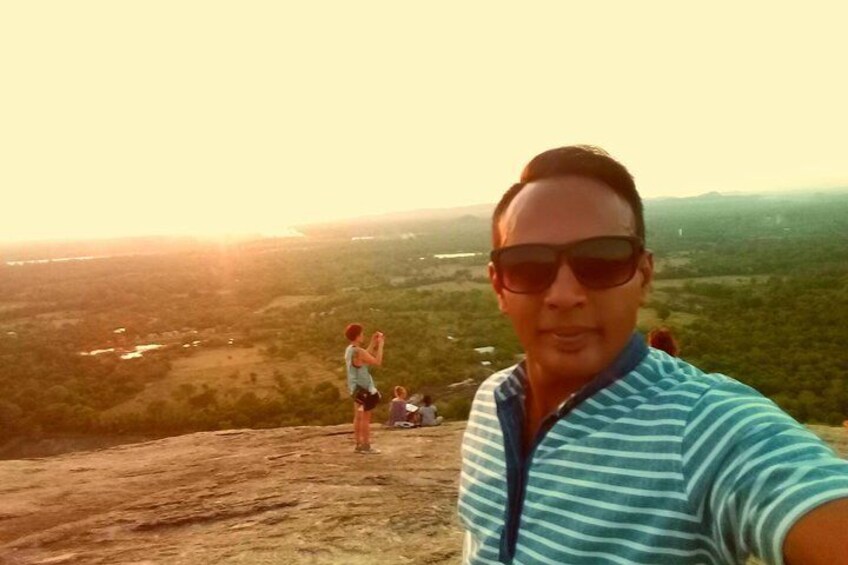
x=129, y=118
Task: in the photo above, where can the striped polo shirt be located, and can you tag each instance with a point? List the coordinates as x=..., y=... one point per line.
x=655, y=462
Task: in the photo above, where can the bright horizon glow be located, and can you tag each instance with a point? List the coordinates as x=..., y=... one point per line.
x=206, y=118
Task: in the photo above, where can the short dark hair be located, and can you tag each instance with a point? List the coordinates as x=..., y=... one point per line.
x=580, y=160
x=662, y=339
x=352, y=331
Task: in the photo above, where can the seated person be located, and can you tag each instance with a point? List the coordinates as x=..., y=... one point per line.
x=401, y=413
x=429, y=413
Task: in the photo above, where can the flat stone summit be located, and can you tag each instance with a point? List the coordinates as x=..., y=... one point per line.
x=286, y=495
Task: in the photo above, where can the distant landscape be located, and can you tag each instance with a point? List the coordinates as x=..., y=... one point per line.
x=161, y=336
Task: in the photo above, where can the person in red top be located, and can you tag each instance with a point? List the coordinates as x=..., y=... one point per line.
x=662, y=339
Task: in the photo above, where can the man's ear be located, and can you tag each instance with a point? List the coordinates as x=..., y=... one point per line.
x=497, y=286
x=646, y=268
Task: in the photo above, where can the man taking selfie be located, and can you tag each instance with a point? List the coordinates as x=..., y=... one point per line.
x=599, y=449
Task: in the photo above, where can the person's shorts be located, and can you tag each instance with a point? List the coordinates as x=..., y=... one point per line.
x=366, y=399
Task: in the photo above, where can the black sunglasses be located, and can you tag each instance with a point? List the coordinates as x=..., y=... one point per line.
x=597, y=263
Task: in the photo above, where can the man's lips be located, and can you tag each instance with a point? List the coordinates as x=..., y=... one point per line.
x=567, y=331
x=568, y=337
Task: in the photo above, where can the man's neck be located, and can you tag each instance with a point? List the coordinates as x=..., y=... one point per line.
x=543, y=395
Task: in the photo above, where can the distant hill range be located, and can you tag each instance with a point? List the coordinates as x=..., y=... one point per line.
x=792, y=194
x=392, y=221
x=426, y=214
x=485, y=210
x=86, y=249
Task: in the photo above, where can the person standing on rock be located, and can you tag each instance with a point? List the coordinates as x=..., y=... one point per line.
x=599, y=449
x=360, y=384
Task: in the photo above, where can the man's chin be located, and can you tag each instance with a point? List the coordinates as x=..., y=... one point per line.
x=576, y=366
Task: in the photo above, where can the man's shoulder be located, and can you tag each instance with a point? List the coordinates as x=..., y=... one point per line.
x=663, y=374
x=706, y=399
x=485, y=396
x=495, y=380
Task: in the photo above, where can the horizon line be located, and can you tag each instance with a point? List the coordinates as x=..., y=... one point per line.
x=235, y=235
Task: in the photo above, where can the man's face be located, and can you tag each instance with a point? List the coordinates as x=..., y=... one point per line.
x=569, y=331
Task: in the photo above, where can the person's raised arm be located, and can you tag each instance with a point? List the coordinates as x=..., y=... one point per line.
x=376, y=340
x=820, y=537
x=374, y=354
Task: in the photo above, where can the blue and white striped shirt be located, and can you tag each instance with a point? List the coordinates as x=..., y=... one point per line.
x=659, y=463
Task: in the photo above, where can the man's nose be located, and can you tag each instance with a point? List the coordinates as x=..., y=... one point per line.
x=566, y=291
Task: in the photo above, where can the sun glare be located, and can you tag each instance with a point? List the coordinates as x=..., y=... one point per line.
x=249, y=123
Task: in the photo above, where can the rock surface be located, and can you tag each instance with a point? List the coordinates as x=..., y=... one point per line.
x=288, y=495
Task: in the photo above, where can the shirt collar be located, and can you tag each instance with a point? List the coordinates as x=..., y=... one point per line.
x=627, y=360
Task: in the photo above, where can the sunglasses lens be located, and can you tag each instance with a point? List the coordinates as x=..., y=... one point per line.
x=603, y=262
x=597, y=263
x=529, y=268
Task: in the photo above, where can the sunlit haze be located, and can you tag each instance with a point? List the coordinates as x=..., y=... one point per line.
x=158, y=117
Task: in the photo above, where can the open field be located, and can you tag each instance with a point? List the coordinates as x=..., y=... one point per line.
x=233, y=371
x=674, y=260
x=287, y=301
x=54, y=320
x=648, y=319
x=661, y=284
x=678, y=319
x=60, y=319
x=456, y=286
x=658, y=285
x=440, y=270
x=450, y=269
x=6, y=306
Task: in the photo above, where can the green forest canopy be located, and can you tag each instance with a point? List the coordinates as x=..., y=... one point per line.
x=782, y=329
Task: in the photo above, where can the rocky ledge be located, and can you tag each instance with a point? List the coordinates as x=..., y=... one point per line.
x=287, y=495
